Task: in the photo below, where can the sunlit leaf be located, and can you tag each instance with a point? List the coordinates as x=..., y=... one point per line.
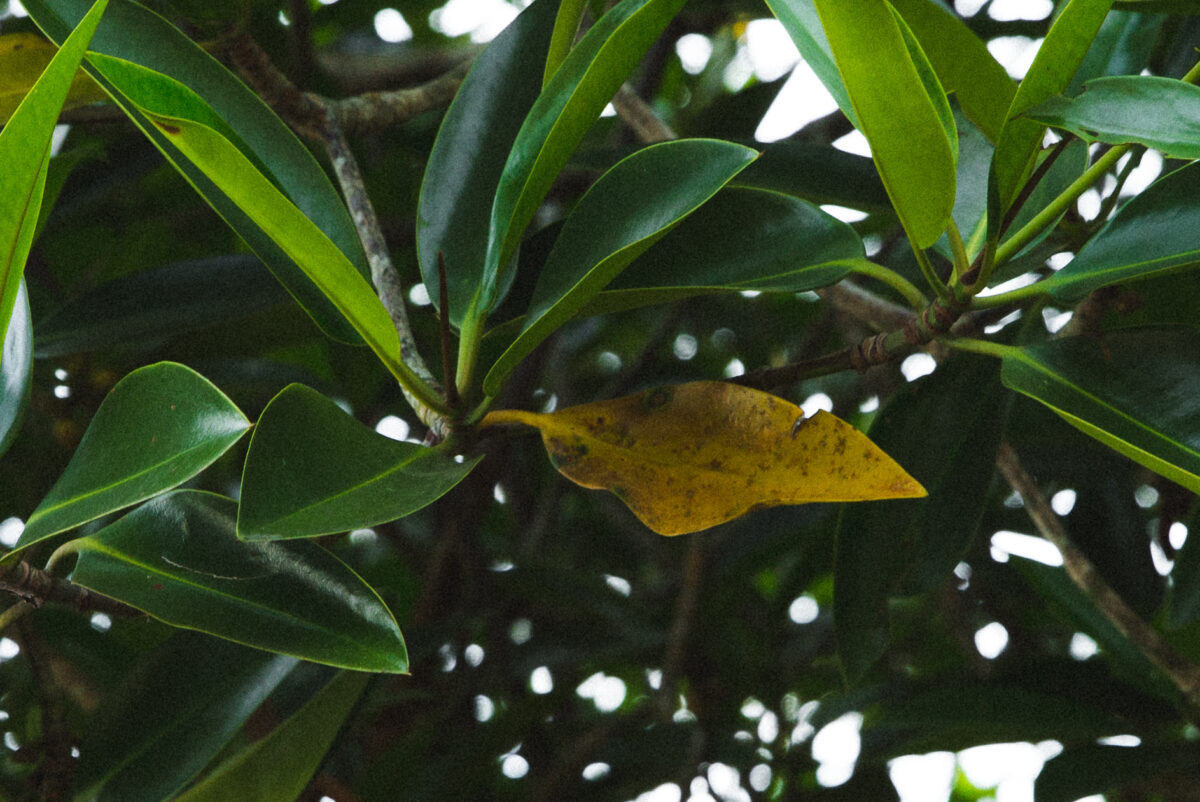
x=902, y=111
x=178, y=559
x=803, y=25
x=158, y=427
x=172, y=715
x=1134, y=391
x=1057, y=59
x=1154, y=233
x=1160, y=113
x=16, y=370
x=627, y=210
x=135, y=34
x=277, y=768
x=23, y=57
x=25, y=154
x=689, y=457
x=311, y=469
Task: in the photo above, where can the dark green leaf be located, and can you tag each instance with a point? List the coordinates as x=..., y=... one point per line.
x=742, y=239
x=1185, y=577
x=469, y=154
x=559, y=118
x=1057, y=59
x=311, y=469
x=277, y=768
x=817, y=173
x=152, y=305
x=25, y=154
x=803, y=25
x=16, y=370
x=1122, y=47
x=178, y=559
x=172, y=715
x=886, y=549
x=1134, y=391
x=901, y=109
x=134, y=33
x=160, y=426
x=1093, y=769
x=1161, y=113
x=1154, y=233
x=627, y=210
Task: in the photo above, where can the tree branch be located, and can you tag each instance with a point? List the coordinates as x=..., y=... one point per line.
x=1183, y=673
x=35, y=587
x=637, y=114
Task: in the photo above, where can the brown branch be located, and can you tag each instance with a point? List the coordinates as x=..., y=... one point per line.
x=637, y=114
x=375, y=111
x=1183, y=673
x=37, y=587
x=681, y=624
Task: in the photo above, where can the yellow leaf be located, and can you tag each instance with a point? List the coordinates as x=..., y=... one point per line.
x=688, y=457
x=23, y=58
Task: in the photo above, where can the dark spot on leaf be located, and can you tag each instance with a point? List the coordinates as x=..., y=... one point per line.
x=658, y=398
x=172, y=130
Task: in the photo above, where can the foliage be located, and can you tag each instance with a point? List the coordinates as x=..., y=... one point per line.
x=230, y=582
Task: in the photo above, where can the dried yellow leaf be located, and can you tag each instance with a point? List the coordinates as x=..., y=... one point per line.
x=23, y=59
x=688, y=457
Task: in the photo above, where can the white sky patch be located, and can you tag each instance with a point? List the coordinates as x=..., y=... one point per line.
x=1082, y=646
x=667, y=792
x=1011, y=10
x=10, y=531
x=917, y=365
x=1128, y=741
x=1059, y=260
x=390, y=26
x=1015, y=53
x=1145, y=496
x=1054, y=319
x=870, y=405
x=618, y=583
x=968, y=8
x=803, y=609
x=1010, y=768
x=771, y=50
x=836, y=747
x=854, y=142
x=596, y=771
x=815, y=402
x=541, y=681
x=802, y=99
x=1011, y=317
x=733, y=368
x=923, y=778
x=843, y=213
x=514, y=767
x=606, y=692
x=1148, y=169
x=483, y=19
x=1089, y=204
x=694, y=51
x=1023, y=280
x=1177, y=534
x=393, y=427
x=1005, y=544
x=419, y=295
x=991, y=640
x=1063, y=501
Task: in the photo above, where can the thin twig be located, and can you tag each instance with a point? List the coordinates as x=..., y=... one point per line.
x=1183, y=673
x=376, y=111
x=647, y=126
x=681, y=624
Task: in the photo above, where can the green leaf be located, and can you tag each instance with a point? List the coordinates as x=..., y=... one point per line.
x=155, y=304
x=178, y=559
x=194, y=129
x=470, y=151
x=901, y=110
x=1059, y=56
x=1160, y=113
x=742, y=239
x=962, y=63
x=1083, y=770
x=160, y=426
x=16, y=370
x=1154, y=233
x=25, y=156
x=172, y=715
x=1134, y=391
x=277, y=768
x=817, y=173
x=626, y=211
x=562, y=114
x=1123, y=46
x=311, y=469
x=803, y=25
x=136, y=34
x=885, y=550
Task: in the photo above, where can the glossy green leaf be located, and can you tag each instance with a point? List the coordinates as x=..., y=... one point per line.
x=561, y=115
x=962, y=63
x=172, y=715
x=277, y=768
x=16, y=370
x=818, y=173
x=904, y=122
x=1059, y=56
x=1154, y=233
x=193, y=128
x=742, y=239
x=886, y=550
x=803, y=25
x=136, y=34
x=470, y=151
x=1160, y=113
x=1123, y=46
x=159, y=426
x=1134, y=391
x=25, y=156
x=152, y=305
x=626, y=211
x=178, y=558
x=311, y=469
